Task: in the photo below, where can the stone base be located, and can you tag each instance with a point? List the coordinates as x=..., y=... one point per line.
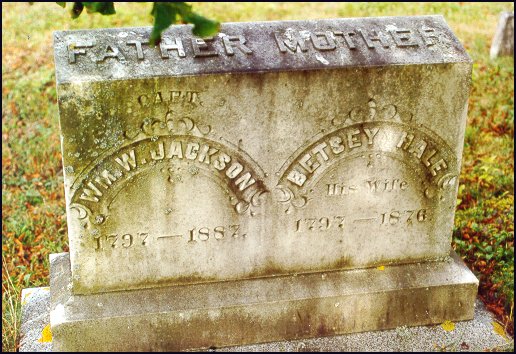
x=259, y=310
x=476, y=335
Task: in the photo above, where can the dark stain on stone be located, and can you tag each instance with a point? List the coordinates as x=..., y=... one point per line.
x=268, y=269
x=342, y=263
x=322, y=330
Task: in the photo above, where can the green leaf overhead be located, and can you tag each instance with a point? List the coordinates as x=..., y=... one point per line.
x=164, y=13
x=203, y=27
x=77, y=9
x=104, y=8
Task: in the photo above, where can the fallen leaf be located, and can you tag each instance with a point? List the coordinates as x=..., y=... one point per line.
x=448, y=326
x=381, y=267
x=499, y=329
x=26, y=297
x=46, y=335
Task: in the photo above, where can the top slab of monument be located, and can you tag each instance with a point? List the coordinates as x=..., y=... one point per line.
x=124, y=53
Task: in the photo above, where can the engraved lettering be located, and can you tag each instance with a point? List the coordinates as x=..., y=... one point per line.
x=144, y=236
x=371, y=133
x=370, y=39
x=193, y=97
x=234, y=170
x=347, y=38
x=244, y=181
x=418, y=149
x=112, y=51
x=367, y=147
x=175, y=150
x=98, y=243
x=291, y=44
x=218, y=232
x=387, y=185
x=201, y=49
x=324, y=223
x=319, y=150
x=405, y=138
x=205, y=154
x=161, y=154
x=143, y=100
x=220, y=163
x=91, y=194
x=127, y=161
x=340, y=189
x=438, y=166
x=75, y=49
x=429, y=35
x=234, y=229
x=172, y=96
x=291, y=41
x=203, y=234
x=231, y=42
x=372, y=185
x=175, y=95
x=404, y=38
x=296, y=177
x=336, y=145
x=354, y=138
x=326, y=44
x=331, y=189
x=105, y=179
x=166, y=45
x=114, y=238
x=127, y=240
x=138, y=46
x=307, y=164
x=158, y=99
x=395, y=216
x=427, y=156
x=191, y=151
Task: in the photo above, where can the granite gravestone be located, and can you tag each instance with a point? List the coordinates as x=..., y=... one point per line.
x=503, y=40
x=280, y=180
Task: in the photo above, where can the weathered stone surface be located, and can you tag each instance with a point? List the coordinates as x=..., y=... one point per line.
x=276, y=148
x=503, y=40
x=258, y=310
x=35, y=320
x=475, y=335
x=248, y=47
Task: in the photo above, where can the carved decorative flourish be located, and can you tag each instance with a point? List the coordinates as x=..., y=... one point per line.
x=286, y=196
x=242, y=206
x=373, y=112
x=86, y=217
x=171, y=124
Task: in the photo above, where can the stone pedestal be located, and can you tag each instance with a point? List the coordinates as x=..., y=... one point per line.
x=259, y=310
x=476, y=335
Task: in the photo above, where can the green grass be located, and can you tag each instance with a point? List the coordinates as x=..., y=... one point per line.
x=33, y=211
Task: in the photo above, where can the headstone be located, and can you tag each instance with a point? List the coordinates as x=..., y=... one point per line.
x=280, y=180
x=503, y=41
